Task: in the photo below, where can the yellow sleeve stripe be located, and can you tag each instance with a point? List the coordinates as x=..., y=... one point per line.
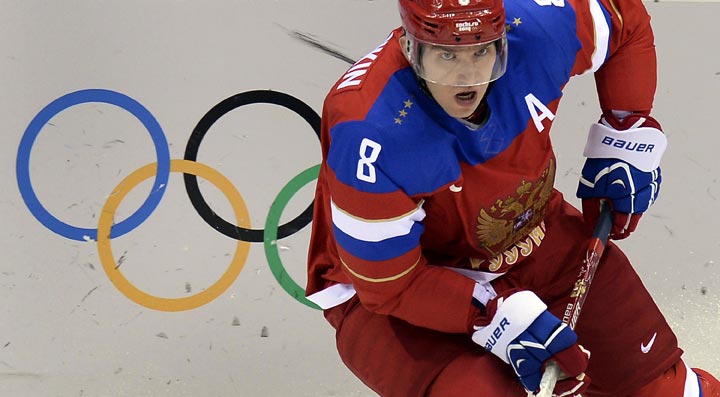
x=380, y=280
x=617, y=12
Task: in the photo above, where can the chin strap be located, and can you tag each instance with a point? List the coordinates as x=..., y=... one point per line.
x=480, y=115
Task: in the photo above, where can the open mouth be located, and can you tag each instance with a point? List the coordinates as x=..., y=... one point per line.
x=466, y=96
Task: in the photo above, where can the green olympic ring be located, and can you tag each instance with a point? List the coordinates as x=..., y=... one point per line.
x=271, y=228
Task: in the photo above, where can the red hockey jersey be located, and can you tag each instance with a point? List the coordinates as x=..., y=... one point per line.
x=415, y=211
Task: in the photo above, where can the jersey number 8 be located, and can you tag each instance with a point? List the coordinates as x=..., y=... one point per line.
x=365, y=168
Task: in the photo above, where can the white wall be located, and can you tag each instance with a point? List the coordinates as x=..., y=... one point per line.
x=67, y=330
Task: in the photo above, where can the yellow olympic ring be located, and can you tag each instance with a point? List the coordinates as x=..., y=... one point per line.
x=171, y=304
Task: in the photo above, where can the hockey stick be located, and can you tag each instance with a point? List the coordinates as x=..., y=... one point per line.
x=579, y=292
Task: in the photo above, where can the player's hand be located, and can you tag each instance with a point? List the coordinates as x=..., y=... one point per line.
x=519, y=330
x=622, y=167
x=571, y=386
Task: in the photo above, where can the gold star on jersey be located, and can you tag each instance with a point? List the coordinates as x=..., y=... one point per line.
x=402, y=113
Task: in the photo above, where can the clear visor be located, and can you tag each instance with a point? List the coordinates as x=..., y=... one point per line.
x=458, y=65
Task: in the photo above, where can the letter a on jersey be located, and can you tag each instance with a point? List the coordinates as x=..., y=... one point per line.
x=538, y=111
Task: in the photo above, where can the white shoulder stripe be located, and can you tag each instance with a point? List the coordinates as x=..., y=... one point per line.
x=602, y=36
x=374, y=231
x=692, y=384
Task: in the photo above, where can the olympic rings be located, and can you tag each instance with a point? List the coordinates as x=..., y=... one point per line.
x=222, y=108
x=75, y=98
x=106, y=231
x=171, y=304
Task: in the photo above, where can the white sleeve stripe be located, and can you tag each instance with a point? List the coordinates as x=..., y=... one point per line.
x=374, y=231
x=692, y=383
x=333, y=296
x=602, y=36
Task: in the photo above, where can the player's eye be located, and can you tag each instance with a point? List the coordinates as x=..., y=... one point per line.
x=447, y=56
x=482, y=52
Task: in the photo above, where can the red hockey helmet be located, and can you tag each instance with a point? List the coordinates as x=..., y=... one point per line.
x=455, y=42
x=453, y=22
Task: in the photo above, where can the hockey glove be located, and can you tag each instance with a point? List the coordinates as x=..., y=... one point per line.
x=623, y=166
x=518, y=328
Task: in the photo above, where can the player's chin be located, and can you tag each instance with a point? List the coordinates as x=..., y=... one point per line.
x=459, y=113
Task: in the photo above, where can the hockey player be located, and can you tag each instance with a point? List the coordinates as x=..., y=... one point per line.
x=440, y=251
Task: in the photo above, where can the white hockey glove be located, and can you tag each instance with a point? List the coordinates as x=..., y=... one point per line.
x=519, y=330
x=623, y=166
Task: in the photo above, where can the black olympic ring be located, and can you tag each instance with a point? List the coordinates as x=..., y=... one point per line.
x=191, y=150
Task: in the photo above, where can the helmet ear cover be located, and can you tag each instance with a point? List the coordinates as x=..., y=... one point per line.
x=407, y=48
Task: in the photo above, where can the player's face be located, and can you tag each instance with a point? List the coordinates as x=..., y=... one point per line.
x=457, y=76
x=452, y=75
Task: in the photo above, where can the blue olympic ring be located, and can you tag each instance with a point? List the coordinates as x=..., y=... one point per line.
x=75, y=98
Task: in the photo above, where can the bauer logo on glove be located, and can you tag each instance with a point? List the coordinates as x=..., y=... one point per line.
x=627, y=145
x=623, y=166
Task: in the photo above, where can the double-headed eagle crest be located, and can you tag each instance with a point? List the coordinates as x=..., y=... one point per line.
x=511, y=218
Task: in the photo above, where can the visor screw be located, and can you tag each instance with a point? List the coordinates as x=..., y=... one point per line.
x=457, y=38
